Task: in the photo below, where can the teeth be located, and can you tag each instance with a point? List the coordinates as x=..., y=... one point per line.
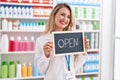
x=63, y=22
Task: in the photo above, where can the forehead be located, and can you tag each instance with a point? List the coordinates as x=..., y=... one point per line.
x=64, y=10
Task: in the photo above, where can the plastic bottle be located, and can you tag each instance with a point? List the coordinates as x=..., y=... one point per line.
x=4, y=43
x=4, y=70
x=11, y=44
x=90, y=26
x=11, y=70
x=43, y=26
x=27, y=11
x=15, y=11
x=25, y=44
x=29, y=70
x=18, y=44
x=92, y=43
x=85, y=12
x=6, y=11
x=24, y=70
x=10, y=11
x=32, y=43
x=2, y=11
x=18, y=69
x=93, y=13
x=23, y=11
x=4, y=24
x=19, y=11
x=96, y=40
x=83, y=25
x=31, y=11
x=35, y=71
x=9, y=26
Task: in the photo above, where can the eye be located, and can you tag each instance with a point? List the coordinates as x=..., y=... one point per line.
x=62, y=14
x=68, y=16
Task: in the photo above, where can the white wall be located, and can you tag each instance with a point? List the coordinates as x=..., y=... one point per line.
x=107, y=55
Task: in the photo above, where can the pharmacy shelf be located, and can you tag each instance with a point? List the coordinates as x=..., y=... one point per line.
x=40, y=18
x=93, y=50
x=34, y=77
x=20, y=52
x=21, y=31
x=86, y=74
x=92, y=31
x=87, y=19
x=25, y=4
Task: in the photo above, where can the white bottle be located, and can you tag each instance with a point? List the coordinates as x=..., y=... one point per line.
x=9, y=25
x=10, y=11
x=96, y=40
x=18, y=70
x=31, y=12
x=92, y=41
x=4, y=43
x=19, y=11
x=90, y=26
x=2, y=11
x=23, y=11
x=27, y=12
x=84, y=26
x=4, y=24
x=6, y=11
x=15, y=11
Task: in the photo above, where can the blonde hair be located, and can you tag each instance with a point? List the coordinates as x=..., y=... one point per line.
x=51, y=22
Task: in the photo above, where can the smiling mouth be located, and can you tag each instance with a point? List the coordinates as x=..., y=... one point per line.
x=63, y=23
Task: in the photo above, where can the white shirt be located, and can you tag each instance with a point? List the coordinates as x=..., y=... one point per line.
x=54, y=68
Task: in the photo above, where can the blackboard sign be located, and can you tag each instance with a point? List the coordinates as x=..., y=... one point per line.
x=68, y=42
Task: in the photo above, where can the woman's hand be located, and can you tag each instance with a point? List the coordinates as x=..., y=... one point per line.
x=86, y=43
x=48, y=47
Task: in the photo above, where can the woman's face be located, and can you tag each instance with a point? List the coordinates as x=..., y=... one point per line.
x=62, y=19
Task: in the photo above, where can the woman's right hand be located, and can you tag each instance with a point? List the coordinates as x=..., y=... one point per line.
x=48, y=48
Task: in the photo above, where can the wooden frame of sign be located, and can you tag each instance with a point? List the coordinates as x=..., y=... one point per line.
x=68, y=42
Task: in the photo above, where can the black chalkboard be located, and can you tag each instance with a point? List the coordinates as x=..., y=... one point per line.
x=68, y=42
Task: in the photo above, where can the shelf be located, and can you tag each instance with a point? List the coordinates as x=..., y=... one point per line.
x=25, y=4
x=86, y=74
x=92, y=31
x=35, y=77
x=43, y=18
x=22, y=52
x=93, y=50
x=21, y=31
x=87, y=19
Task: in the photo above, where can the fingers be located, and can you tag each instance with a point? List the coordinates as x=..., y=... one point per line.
x=86, y=44
x=48, y=48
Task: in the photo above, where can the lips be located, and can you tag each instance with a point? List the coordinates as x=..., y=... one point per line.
x=63, y=22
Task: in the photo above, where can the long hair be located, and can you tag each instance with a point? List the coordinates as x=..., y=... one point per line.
x=51, y=22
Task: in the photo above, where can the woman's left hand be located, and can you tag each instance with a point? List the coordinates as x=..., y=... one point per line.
x=86, y=43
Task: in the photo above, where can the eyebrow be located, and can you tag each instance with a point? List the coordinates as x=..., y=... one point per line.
x=63, y=12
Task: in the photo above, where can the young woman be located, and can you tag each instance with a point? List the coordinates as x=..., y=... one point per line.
x=61, y=67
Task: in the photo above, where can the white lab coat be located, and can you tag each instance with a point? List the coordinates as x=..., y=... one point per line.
x=54, y=68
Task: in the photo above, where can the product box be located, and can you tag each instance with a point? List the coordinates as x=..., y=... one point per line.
x=41, y=11
x=36, y=1
x=25, y=1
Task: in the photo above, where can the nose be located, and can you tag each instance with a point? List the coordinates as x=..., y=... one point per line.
x=65, y=18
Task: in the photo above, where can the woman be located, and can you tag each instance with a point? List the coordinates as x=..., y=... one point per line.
x=62, y=67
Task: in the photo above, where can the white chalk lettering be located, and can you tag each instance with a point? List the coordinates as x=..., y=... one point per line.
x=68, y=42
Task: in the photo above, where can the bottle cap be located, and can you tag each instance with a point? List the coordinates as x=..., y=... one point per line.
x=25, y=38
x=32, y=38
x=11, y=38
x=18, y=38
